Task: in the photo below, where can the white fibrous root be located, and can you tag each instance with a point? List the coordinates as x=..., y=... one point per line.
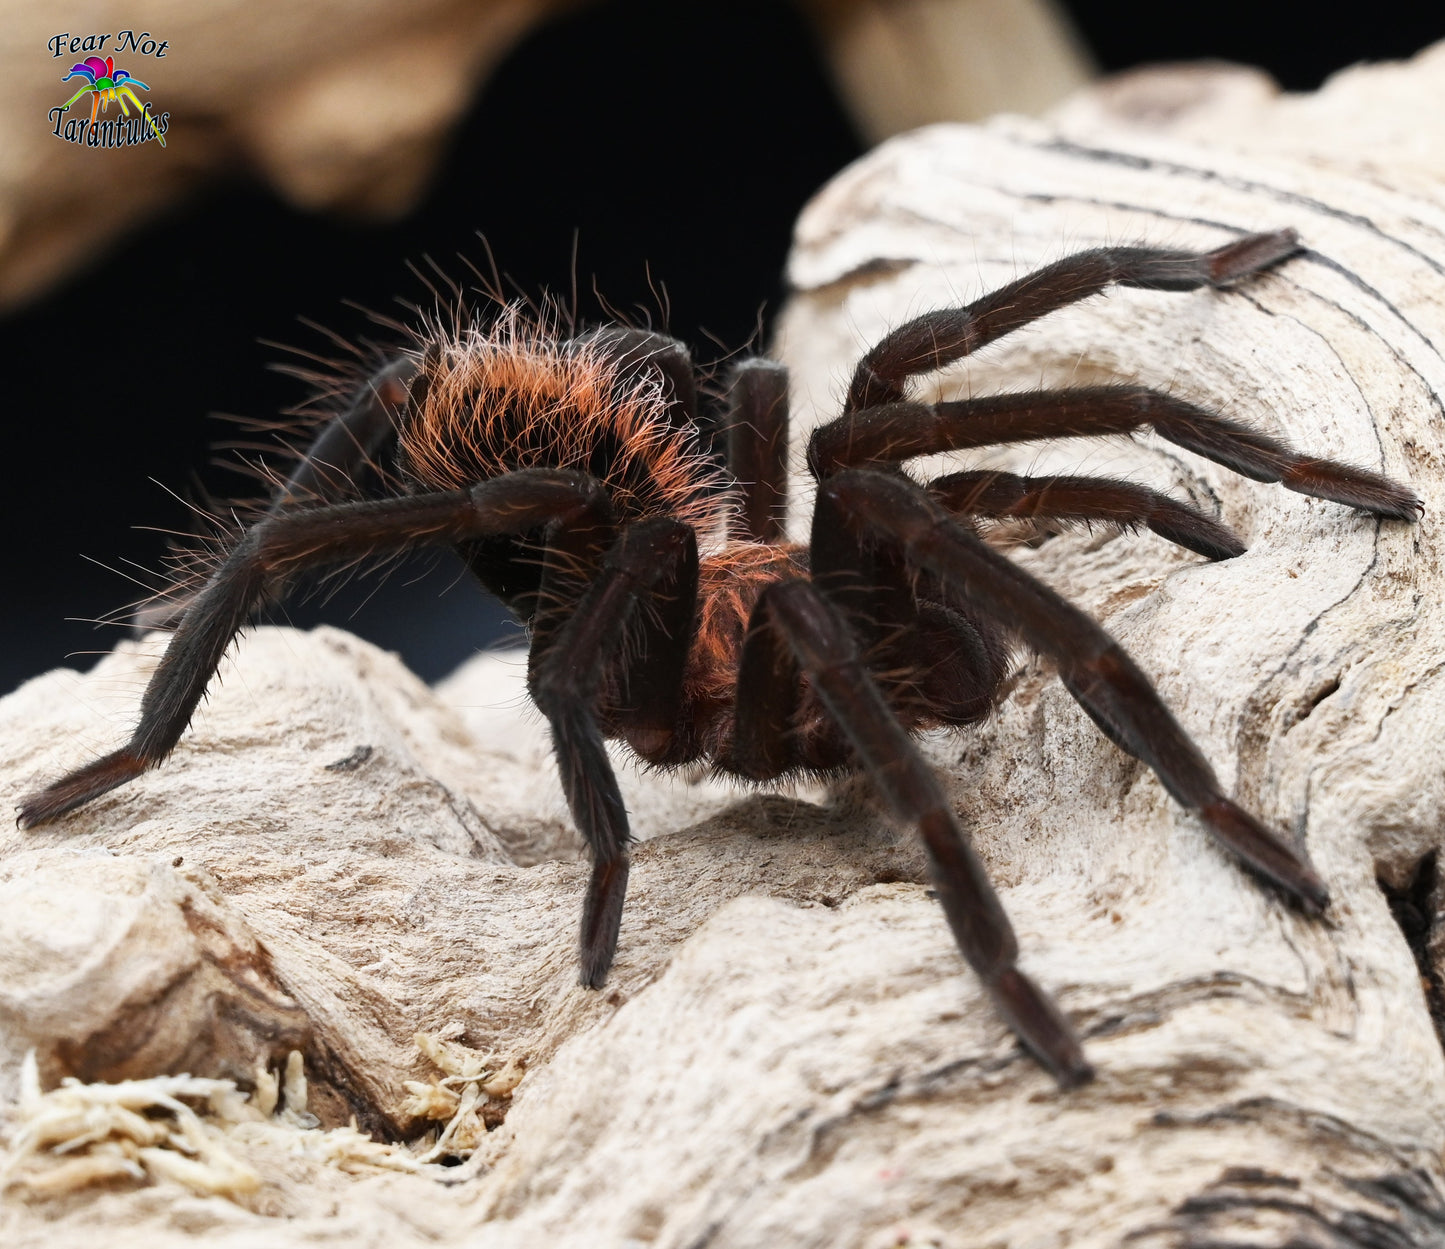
x=179, y=1128
x=186, y=1129
x=82, y=1134
x=470, y=1097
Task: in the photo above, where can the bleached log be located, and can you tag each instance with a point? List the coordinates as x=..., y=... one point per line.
x=790, y=1051
x=899, y=64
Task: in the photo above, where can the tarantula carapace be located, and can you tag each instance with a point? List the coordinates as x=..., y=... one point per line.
x=666, y=608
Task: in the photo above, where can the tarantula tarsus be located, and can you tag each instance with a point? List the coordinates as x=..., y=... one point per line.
x=666, y=608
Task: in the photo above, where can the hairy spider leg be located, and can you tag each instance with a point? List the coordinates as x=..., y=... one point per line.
x=571, y=559
x=1090, y=500
x=354, y=450
x=767, y=697
x=277, y=548
x=644, y=706
x=351, y=454
x=936, y=339
x=649, y=694
x=898, y=431
x=1095, y=669
x=637, y=351
x=568, y=684
x=933, y=661
x=793, y=626
x=757, y=449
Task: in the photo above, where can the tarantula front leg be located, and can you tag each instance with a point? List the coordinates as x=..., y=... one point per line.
x=899, y=431
x=936, y=339
x=274, y=550
x=1091, y=500
x=648, y=695
x=567, y=683
x=1095, y=669
x=794, y=626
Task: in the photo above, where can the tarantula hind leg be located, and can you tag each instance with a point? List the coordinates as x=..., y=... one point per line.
x=567, y=680
x=794, y=626
x=1095, y=669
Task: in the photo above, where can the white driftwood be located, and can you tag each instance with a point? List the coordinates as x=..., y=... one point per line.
x=899, y=64
x=790, y=1051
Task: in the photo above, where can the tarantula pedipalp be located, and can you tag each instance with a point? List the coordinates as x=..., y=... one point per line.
x=666, y=609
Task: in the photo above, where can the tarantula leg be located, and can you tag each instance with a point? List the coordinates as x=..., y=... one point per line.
x=272, y=551
x=573, y=551
x=636, y=351
x=347, y=454
x=930, y=659
x=825, y=650
x=899, y=431
x=937, y=339
x=351, y=447
x=567, y=683
x=649, y=694
x=865, y=580
x=758, y=449
x=1095, y=669
x=767, y=698
x=1086, y=499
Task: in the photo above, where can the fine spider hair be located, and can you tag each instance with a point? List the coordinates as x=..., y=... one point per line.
x=666, y=608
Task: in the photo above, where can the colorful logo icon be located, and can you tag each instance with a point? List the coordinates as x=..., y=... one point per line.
x=109, y=85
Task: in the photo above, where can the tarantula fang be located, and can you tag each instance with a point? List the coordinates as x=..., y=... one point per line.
x=666, y=608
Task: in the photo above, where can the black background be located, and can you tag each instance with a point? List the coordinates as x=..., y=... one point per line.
x=678, y=140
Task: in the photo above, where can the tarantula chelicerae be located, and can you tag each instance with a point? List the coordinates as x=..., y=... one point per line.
x=666, y=608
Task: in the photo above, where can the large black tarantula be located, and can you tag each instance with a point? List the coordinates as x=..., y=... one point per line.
x=666, y=608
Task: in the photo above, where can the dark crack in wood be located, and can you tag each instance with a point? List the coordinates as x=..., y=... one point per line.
x=1414, y=905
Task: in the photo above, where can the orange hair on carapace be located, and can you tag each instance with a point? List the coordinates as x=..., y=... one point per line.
x=512, y=394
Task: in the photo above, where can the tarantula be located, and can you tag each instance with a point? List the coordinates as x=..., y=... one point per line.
x=666, y=608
